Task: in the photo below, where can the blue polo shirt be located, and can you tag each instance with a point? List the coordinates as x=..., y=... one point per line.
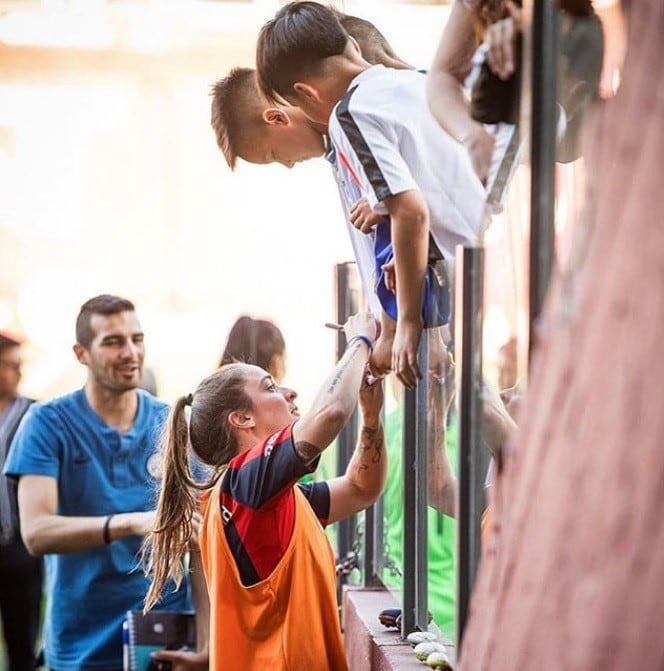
x=99, y=471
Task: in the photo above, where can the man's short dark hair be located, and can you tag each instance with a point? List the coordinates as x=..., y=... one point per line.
x=105, y=304
x=294, y=44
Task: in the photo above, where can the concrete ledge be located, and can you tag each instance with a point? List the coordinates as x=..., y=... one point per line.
x=369, y=645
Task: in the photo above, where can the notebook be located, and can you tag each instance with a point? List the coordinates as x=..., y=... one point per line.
x=146, y=633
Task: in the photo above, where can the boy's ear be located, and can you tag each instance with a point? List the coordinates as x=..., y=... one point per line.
x=306, y=91
x=275, y=117
x=355, y=45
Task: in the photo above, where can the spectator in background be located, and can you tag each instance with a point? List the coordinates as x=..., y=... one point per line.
x=20, y=572
x=86, y=466
x=259, y=342
x=483, y=122
x=149, y=381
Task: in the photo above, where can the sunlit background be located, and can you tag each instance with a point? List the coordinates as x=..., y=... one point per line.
x=111, y=181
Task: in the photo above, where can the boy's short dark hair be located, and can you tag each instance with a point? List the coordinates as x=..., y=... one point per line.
x=373, y=43
x=104, y=304
x=293, y=45
x=235, y=101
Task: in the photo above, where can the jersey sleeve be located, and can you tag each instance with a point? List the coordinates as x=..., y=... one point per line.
x=258, y=476
x=367, y=147
x=318, y=495
x=35, y=449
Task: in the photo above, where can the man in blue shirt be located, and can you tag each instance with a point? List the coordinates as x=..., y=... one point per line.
x=87, y=468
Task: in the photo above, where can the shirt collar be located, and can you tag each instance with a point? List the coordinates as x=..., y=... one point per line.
x=367, y=73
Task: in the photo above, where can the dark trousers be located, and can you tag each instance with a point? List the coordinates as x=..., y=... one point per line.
x=20, y=599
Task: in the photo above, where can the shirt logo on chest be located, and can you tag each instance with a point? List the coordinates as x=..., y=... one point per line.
x=155, y=466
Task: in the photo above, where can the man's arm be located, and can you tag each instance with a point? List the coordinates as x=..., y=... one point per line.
x=366, y=474
x=45, y=532
x=442, y=483
x=409, y=220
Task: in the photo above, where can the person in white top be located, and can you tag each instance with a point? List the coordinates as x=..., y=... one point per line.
x=249, y=127
x=387, y=143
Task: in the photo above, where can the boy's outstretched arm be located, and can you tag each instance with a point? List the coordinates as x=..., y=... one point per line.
x=409, y=221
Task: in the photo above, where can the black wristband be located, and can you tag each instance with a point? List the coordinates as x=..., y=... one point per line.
x=106, y=532
x=365, y=339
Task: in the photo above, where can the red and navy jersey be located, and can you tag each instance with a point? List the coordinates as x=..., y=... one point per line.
x=258, y=503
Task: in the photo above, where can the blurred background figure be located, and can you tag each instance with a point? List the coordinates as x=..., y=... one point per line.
x=20, y=573
x=149, y=381
x=259, y=342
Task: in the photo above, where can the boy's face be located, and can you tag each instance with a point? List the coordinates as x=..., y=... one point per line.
x=282, y=138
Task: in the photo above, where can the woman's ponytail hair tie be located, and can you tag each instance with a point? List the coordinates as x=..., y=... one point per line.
x=189, y=400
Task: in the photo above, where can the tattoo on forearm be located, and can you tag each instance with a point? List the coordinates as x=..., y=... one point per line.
x=370, y=448
x=342, y=370
x=306, y=451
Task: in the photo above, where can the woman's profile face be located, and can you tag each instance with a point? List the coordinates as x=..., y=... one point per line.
x=272, y=407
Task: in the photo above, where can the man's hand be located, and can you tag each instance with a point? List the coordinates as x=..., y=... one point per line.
x=501, y=37
x=363, y=217
x=183, y=660
x=497, y=424
x=614, y=27
x=404, y=351
x=142, y=523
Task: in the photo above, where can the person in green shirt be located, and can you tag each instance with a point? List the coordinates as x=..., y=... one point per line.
x=441, y=529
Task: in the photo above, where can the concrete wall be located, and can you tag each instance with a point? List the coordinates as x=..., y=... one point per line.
x=575, y=570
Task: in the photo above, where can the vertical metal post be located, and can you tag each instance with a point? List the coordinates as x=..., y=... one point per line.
x=473, y=457
x=414, y=611
x=372, y=552
x=347, y=304
x=544, y=120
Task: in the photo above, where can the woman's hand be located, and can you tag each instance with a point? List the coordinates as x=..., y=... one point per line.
x=370, y=400
x=362, y=323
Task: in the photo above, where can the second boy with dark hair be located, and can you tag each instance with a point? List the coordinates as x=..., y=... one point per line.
x=386, y=143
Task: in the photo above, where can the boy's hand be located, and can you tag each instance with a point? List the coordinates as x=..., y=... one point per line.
x=404, y=351
x=381, y=358
x=380, y=363
x=363, y=217
x=390, y=275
